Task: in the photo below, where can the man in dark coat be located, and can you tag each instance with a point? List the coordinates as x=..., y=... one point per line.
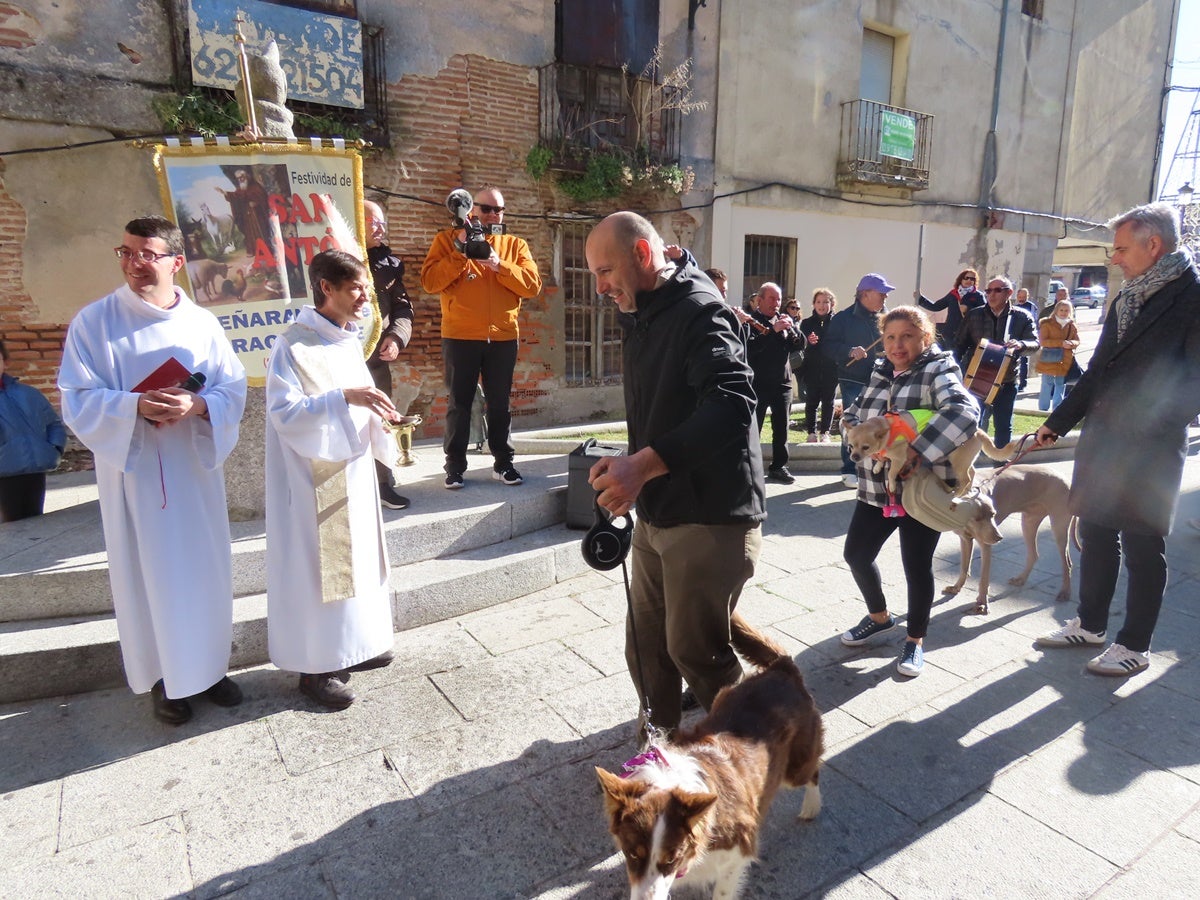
x=1139, y=394
x=396, y=312
x=694, y=466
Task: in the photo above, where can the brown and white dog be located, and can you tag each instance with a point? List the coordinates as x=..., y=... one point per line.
x=690, y=809
x=1034, y=492
x=875, y=438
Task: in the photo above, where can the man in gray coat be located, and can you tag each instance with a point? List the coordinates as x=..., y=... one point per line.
x=1136, y=399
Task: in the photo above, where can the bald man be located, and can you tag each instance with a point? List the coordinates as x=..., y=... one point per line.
x=694, y=466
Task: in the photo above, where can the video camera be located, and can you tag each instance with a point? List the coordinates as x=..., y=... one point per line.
x=475, y=246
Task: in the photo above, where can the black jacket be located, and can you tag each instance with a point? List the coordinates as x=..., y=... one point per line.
x=396, y=310
x=768, y=353
x=1136, y=400
x=689, y=394
x=1013, y=324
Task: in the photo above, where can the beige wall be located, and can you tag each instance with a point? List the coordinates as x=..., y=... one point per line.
x=1075, y=132
x=836, y=251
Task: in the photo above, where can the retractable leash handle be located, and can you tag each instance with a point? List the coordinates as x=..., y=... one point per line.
x=607, y=543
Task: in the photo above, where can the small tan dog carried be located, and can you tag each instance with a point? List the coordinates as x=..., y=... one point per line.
x=886, y=438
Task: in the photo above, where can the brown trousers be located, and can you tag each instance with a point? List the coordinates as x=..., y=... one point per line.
x=686, y=582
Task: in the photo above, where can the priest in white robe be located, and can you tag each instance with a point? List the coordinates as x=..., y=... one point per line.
x=328, y=603
x=159, y=468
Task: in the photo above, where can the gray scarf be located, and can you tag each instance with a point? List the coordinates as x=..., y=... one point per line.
x=1136, y=291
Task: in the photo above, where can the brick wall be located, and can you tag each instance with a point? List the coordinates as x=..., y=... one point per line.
x=34, y=348
x=469, y=125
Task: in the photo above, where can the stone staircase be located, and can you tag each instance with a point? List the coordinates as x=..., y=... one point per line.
x=452, y=552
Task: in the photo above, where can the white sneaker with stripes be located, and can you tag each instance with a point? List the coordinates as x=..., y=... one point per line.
x=1071, y=635
x=1119, y=660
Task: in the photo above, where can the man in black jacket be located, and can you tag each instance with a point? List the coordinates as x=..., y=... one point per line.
x=387, y=271
x=1136, y=400
x=771, y=338
x=694, y=466
x=999, y=322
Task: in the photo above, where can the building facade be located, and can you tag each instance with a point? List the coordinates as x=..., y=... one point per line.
x=1026, y=121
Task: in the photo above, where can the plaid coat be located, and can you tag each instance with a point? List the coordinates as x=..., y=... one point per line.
x=933, y=382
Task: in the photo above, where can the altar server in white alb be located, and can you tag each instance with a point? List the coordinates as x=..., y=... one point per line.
x=159, y=468
x=329, y=611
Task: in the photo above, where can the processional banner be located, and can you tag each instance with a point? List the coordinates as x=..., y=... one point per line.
x=253, y=217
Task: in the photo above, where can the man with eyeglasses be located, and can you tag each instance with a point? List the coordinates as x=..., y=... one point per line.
x=999, y=322
x=159, y=455
x=480, y=302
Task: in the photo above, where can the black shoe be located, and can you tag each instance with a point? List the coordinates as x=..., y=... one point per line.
x=173, y=712
x=225, y=692
x=376, y=662
x=689, y=701
x=327, y=689
x=389, y=498
x=780, y=474
x=508, y=475
x=454, y=481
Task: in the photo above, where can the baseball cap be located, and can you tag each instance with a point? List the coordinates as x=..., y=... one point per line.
x=874, y=282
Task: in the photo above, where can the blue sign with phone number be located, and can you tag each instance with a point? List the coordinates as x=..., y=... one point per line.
x=322, y=55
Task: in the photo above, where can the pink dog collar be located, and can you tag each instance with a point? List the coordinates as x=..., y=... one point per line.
x=652, y=757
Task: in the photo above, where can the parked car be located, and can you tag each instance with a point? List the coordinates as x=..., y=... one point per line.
x=1087, y=296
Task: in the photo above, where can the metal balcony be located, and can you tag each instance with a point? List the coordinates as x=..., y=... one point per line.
x=861, y=159
x=596, y=108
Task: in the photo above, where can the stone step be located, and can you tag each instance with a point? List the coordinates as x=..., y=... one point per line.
x=68, y=655
x=55, y=565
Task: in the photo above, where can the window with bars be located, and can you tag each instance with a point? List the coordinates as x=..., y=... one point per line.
x=769, y=259
x=591, y=335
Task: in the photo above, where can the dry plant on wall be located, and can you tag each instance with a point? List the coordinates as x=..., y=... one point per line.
x=611, y=168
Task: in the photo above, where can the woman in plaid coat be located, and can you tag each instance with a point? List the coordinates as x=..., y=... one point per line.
x=913, y=374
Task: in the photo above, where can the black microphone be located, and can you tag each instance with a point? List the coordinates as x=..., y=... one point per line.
x=194, y=383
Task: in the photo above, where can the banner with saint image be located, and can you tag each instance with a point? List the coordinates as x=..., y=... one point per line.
x=253, y=217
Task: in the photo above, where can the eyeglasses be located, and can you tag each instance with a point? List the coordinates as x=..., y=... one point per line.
x=996, y=290
x=968, y=281
x=146, y=256
x=791, y=306
x=486, y=208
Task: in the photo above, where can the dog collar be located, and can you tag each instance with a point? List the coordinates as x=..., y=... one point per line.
x=652, y=757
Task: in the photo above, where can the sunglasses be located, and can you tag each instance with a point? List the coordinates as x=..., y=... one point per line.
x=996, y=290
x=485, y=208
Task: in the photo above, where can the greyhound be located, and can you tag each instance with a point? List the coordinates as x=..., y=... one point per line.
x=1035, y=492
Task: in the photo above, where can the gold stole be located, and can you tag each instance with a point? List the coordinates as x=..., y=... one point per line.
x=310, y=356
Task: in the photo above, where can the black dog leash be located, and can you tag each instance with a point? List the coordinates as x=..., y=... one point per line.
x=604, y=547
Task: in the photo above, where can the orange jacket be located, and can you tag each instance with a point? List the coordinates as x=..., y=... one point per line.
x=1053, y=335
x=477, y=303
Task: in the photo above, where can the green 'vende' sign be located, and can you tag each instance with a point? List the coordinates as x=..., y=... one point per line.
x=897, y=135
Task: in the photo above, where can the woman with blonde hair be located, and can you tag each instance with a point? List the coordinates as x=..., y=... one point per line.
x=1059, y=337
x=913, y=374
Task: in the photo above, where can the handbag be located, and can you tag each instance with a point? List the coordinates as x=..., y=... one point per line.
x=796, y=362
x=1052, y=354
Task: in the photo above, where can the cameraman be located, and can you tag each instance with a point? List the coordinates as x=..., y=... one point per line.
x=480, y=301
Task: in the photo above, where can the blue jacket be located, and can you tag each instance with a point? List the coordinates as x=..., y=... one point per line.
x=854, y=326
x=32, y=435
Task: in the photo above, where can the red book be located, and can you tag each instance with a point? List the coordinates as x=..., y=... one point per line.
x=170, y=374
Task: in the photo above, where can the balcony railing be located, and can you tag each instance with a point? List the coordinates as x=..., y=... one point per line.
x=596, y=108
x=860, y=158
